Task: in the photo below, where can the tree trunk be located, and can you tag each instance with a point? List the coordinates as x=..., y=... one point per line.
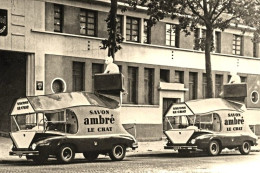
x=112, y=34
x=208, y=43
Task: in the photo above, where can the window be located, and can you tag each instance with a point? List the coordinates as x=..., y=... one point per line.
x=179, y=122
x=218, y=85
x=120, y=24
x=179, y=77
x=237, y=45
x=58, y=85
x=132, y=85
x=254, y=97
x=199, y=39
x=255, y=49
x=96, y=68
x=209, y=122
x=243, y=79
x=229, y=77
x=58, y=18
x=203, y=39
x=192, y=85
x=204, y=86
x=147, y=33
x=132, y=29
x=63, y=121
x=196, y=39
x=78, y=76
x=88, y=22
x=164, y=75
x=172, y=35
x=217, y=42
x=148, y=85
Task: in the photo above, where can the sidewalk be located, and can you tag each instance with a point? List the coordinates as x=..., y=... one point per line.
x=143, y=148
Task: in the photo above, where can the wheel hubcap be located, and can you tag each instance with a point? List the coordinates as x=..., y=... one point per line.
x=67, y=153
x=214, y=148
x=118, y=151
x=246, y=147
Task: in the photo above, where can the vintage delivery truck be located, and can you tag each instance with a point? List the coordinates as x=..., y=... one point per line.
x=60, y=125
x=211, y=125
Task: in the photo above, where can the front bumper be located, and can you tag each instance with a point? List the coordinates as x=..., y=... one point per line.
x=134, y=145
x=23, y=153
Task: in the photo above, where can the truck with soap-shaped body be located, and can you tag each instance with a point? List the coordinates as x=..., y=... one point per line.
x=62, y=124
x=211, y=124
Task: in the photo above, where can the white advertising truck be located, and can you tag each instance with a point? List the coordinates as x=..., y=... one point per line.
x=211, y=124
x=60, y=125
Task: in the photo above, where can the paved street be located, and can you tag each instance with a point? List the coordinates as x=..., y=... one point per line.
x=149, y=157
x=145, y=162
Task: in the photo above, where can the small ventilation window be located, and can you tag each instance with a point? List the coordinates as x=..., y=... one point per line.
x=254, y=97
x=58, y=85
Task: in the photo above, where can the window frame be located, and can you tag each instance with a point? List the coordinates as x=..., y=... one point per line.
x=99, y=69
x=132, y=85
x=146, y=32
x=171, y=35
x=193, y=85
x=78, y=74
x=219, y=80
x=180, y=75
x=235, y=45
x=149, y=88
x=217, y=42
x=204, y=85
x=84, y=13
x=165, y=75
x=60, y=18
x=131, y=29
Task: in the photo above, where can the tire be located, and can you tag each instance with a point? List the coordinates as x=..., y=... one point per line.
x=117, y=153
x=245, y=148
x=28, y=157
x=66, y=154
x=214, y=148
x=90, y=156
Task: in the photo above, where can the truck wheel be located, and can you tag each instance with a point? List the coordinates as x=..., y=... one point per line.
x=90, y=156
x=66, y=154
x=245, y=148
x=118, y=152
x=214, y=148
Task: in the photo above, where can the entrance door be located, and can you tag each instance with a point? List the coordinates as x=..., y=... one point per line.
x=167, y=102
x=12, y=84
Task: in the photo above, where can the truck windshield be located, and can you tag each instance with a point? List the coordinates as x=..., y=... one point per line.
x=180, y=122
x=62, y=121
x=23, y=122
x=210, y=121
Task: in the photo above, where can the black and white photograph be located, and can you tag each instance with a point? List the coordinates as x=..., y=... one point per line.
x=130, y=86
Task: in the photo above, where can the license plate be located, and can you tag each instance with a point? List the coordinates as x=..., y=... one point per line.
x=176, y=147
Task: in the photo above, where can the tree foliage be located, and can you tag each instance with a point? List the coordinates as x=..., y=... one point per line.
x=211, y=14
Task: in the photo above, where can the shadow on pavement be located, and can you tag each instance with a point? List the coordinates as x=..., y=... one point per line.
x=178, y=155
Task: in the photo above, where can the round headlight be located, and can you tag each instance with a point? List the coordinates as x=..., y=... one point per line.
x=34, y=146
x=193, y=141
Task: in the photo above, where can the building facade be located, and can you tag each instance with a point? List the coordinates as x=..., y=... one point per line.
x=54, y=46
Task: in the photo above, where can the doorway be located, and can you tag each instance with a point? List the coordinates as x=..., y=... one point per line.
x=167, y=102
x=12, y=84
